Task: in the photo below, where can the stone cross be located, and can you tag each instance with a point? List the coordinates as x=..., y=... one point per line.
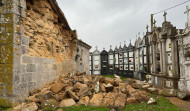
x=96, y=47
x=147, y=28
x=110, y=46
x=103, y=48
x=139, y=34
x=154, y=23
x=187, y=12
x=165, y=13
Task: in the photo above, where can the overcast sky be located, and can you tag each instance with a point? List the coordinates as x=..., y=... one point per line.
x=108, y=22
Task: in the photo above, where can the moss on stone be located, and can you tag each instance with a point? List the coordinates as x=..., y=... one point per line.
x=5, y=103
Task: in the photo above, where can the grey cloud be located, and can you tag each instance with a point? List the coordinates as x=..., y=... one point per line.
x=109, y=22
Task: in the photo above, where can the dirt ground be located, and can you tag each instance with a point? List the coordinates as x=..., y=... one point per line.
x=183, y=104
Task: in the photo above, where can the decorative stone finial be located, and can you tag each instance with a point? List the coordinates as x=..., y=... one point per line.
x=178, y=32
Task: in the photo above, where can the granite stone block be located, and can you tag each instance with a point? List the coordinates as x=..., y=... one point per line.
x=31, y=68
x=24, y=40
x=16, y=79
x=38, y=60
x=27, y=59
x=31, y=85
x=39, y=68
x=24, y=50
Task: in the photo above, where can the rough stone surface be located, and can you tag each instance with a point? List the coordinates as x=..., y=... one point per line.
x=72, y=95
x=131, y=100
x=67, y=103
x=34, y=91
x=29, y=107
x=182, y=95
x=120, y=100
x=96, y=99
x=57, y=87
x=109, y=99
x=84, y=101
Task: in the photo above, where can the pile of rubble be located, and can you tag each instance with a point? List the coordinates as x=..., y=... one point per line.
x=82, y=89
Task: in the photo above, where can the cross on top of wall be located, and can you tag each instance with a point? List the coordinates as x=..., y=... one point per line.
x=165, y=13
x=110, y=46
x=154, y=23
x=147, y=28
x=187, y=12
x=139, y=34
x=96, y=47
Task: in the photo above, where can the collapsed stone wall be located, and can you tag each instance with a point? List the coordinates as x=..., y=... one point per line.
x=48, y=36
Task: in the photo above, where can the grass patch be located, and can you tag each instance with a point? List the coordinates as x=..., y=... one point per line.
x=112, y=76
x=162, y=105
x=81, y=108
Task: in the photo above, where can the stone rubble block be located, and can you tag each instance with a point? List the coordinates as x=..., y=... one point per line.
x=81, y=89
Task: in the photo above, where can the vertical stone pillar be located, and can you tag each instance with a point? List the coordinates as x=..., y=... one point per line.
x=154, y=56
x=10, y=46
x=174, y=62
x=164, y=57
x=138, y=59
x=161, y=58
x=6, y=49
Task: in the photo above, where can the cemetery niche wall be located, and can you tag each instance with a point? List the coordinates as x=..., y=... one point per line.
x=162, y=57
x=163, y=62
x=118, y=61
x=141, y=58
x=184, y=55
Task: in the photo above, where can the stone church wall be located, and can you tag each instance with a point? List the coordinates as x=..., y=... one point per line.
x=36, y=46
